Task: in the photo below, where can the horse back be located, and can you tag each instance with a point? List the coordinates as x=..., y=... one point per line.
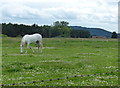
x=32, y=38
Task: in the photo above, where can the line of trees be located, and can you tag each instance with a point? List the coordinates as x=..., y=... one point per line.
x=114, y=35
x=58, y=29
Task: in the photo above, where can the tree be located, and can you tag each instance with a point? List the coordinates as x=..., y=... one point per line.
x=57, y=23
x=63, y=23
x=114, y=35
x=46, y=31
x=60, y=23
x=61, y=29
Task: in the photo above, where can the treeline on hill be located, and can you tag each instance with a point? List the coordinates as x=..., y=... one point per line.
x=59, y=29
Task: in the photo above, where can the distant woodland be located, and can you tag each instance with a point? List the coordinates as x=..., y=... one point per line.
x=58, y=29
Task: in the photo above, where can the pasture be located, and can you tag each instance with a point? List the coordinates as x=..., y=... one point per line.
x=61, y=57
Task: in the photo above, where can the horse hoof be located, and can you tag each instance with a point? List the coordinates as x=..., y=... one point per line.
x=21, y=53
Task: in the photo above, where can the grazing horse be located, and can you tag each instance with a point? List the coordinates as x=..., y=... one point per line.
x=27, y=39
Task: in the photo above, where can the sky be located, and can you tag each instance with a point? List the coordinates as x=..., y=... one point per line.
x=86, y=13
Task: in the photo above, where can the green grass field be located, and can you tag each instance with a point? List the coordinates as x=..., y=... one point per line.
x=61, y=57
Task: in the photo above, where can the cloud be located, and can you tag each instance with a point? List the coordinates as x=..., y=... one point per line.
x=95, y=13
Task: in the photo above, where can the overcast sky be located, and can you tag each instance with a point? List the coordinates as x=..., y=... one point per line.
x=88, y=13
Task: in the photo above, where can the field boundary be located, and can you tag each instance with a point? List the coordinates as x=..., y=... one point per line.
x=57, y=79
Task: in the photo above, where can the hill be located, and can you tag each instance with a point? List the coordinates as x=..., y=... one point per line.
x=94, y=31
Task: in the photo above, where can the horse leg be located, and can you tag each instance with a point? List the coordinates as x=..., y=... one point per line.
x=28, y=45
x=32, y=49
x=21, y=48
x=40, y=47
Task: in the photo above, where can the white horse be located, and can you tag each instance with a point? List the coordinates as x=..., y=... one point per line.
x=27, y=39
